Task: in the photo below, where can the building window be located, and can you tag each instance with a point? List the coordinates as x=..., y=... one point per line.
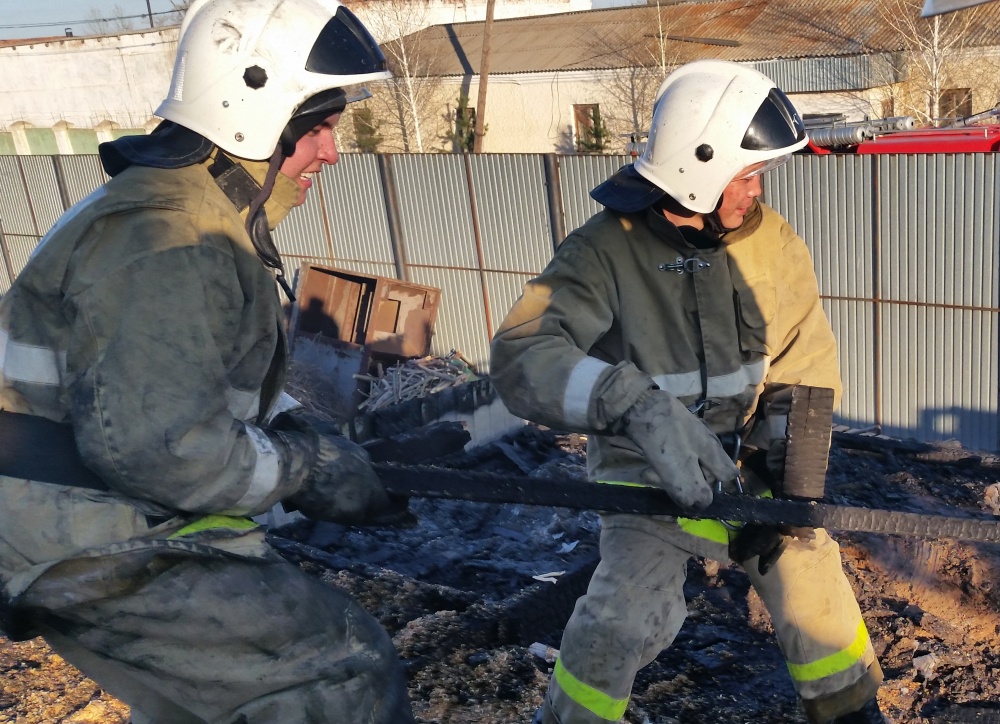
x=955, y=103
x=591, y=135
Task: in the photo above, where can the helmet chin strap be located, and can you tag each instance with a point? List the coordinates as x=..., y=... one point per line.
x=244, y=191
x=258, y=229
x=714, y=224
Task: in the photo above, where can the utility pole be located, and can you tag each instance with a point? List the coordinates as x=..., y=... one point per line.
x=484, y=72
x=149, y=11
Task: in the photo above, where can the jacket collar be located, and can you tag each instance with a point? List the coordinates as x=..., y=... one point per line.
x=685, y=239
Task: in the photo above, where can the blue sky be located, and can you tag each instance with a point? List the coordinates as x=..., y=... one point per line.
x=39, y=18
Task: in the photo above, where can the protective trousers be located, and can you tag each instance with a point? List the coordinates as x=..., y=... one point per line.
x=635, y=606
x=234, y=641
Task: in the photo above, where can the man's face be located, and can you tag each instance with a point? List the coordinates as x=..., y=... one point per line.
x=738, y=196
x=313, y=151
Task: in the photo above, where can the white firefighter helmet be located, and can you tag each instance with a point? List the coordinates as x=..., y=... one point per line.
x=244, y=68
x=712, y=119
x=939, y=7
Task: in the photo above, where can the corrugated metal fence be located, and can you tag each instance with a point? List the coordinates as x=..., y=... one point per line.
x=905, y=248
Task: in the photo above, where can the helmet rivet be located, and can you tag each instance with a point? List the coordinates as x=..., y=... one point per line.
x=239, y=136
x=680, y=170
x=691, y=196
x=704, y=152
x=225, y=104
x=255, y=77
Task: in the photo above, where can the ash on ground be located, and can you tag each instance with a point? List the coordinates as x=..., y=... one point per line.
x=467, y=591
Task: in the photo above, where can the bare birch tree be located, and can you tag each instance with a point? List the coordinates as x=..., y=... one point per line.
x=941, y=60
x=638, y=63
x=117, y=22
x=409, y=100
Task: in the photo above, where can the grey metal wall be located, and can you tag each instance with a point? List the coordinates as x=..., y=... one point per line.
x=857, y=72
x=905, y=249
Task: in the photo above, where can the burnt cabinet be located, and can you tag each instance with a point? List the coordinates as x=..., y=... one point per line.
x=345, y=323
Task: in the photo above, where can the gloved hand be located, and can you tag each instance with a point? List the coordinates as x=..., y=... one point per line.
x=776, y=463
x=756, y=539
x=686, y=457
x=760, y=468
x=341, y=486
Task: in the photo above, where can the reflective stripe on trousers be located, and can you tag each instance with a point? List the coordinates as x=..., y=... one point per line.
x=802, y=674
x=813, y=609
x=602, y=705
x=834, y=663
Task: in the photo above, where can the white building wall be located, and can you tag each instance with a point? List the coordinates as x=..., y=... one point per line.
x=83, y=82
x=533, y=112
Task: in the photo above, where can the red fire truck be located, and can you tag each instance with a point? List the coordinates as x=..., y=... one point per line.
x=899, y=135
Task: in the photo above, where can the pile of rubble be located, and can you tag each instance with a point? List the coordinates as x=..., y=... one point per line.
x=414, y=378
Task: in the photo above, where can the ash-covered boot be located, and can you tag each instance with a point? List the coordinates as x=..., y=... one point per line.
x=857, y=704
x=868, y=714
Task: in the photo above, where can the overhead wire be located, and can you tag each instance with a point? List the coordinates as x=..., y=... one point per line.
x=85, y=21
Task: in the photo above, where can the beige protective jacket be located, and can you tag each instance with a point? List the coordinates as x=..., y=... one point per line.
x=628, y=302
x=145, y=320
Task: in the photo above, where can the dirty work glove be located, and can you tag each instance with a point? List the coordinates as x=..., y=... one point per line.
x=756, y=539
x=775, y=464
x=686, y=457
x=341, y=487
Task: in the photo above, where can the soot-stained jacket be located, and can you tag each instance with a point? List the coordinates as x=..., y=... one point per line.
x=628, y=302
x=145, y=321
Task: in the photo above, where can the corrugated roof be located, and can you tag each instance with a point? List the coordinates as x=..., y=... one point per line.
x=738, y=30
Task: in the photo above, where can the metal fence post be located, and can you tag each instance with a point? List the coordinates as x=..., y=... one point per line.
x=61, y=182
x=480, y=257
x=876, y=294
x=392, y=215
x=8, y=265
x=553, y=187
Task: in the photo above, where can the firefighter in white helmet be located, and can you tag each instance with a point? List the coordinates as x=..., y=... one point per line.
x=142, y=361
x=668, y=328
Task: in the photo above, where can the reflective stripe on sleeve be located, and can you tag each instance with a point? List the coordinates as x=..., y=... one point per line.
x=684, y=384
x=588, y=697
x=736, y=382
x=834, y=663
x=30, y=363
x=688, y=384
x=580, y=388
x=266, y=471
